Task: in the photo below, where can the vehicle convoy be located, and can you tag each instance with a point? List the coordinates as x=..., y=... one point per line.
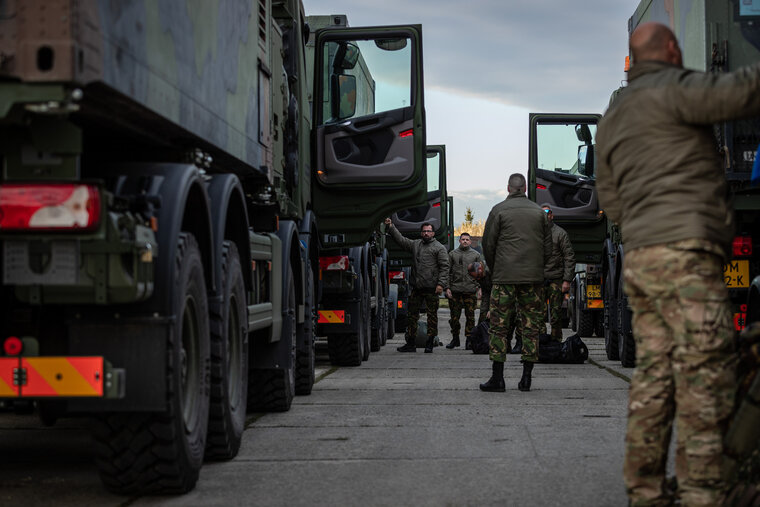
x=437, y=210
x=172, y=212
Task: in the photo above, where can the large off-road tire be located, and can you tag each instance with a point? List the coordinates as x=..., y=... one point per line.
x=229, y=361
x=272, y=390
x=344, y=349
x=626, y=343
x=611, y=330
x=599, y=324
x=144, y=453
x=585, y=323
x=366, y=319
x=305, y=353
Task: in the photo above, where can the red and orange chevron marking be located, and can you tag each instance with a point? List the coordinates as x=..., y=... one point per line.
x=53, y=376
x=332, y=317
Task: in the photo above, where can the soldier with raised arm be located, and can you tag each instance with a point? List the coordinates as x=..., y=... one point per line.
x=430, y=277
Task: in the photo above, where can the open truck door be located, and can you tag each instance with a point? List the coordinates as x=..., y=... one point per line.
x=561, y=164
x=434, y=210
x=369, y=140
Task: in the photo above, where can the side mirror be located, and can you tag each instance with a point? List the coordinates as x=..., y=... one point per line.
x=583, y=133
x=344, y=100
x=346, y=56
x=586, y=160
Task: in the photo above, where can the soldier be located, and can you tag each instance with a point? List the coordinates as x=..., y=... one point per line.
x=430, y=275
x=463, y=288
x=661, y=180
x=517, y=243
x=558, y=273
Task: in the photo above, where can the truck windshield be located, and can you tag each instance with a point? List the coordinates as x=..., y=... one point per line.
x=383, y=79
x=433, y=174
x=564, y=148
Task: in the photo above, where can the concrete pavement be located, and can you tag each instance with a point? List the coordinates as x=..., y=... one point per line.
x=402, y=429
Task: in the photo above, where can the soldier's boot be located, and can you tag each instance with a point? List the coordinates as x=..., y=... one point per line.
x=517, y=349
x=496, y=383
x=430, y=344
x=524, y=384
x=410, y=346
x=453, y=343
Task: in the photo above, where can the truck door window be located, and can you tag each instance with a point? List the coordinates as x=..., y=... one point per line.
x=566, y=148
x=433, y=174
x=381, y=78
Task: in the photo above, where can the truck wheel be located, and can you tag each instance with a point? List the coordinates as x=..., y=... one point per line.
x=599, y=324
x=585, y=323
x=272, y=390
x=366, y=323
x=375, y=339
x=144, y=453
x=610, y=332
x=626, y=343
x=627, y=350
x=305, y=353
x=229, y=361
x=345, y=349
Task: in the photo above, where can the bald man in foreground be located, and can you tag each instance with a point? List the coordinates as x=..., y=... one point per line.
x=661, y=179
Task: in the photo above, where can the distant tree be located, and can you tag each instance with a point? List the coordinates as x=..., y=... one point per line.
x=468, y=216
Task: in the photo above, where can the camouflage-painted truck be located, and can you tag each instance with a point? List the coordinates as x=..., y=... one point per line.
x=169, y=204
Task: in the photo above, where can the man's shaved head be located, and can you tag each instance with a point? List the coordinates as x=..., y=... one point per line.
x=516, y=182
x=655, y=41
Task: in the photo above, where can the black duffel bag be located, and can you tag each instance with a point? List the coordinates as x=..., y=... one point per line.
x=570, y=351
x=480, y=338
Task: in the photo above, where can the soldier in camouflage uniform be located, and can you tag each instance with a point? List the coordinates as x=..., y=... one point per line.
x=430, y=276
x=463, y=288
x=660, y=178
x=516, y=245
x=558, y=273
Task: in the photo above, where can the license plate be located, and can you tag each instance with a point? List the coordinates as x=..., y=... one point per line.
x=594, y=291
x=736, y=274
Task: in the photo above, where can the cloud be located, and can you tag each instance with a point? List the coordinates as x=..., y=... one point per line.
x=551, y=55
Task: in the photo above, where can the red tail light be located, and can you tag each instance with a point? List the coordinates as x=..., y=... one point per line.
x=406, y=133
x=437, y=205
x=396, y=275
x=742, y=246
x=539, y=186
x=334, y=263
x=49, y=207
x=13, y=346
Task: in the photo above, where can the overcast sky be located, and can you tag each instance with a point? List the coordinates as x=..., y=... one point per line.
x=488, y=63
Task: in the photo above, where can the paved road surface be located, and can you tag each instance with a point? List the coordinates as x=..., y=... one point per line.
x=402, y=429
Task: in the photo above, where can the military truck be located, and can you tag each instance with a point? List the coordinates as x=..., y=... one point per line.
x=717, y=36
x=167, y=202
x=344, y=293
x=436, y=209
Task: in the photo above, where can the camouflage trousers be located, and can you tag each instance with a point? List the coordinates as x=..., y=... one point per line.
x=554, y=297
x=685, y=368
x=417, y=299
x=458, y=302
x=525, y=299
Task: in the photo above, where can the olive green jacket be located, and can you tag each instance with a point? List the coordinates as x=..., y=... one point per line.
x=561, y=265
x=459, y=279
x=517, y=241
x=430, y=262
x=659, y=175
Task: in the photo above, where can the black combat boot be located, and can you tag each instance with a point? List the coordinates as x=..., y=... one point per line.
x=410, y=346
x=454, y=343
x=517, y=349
x=524, y=384
x=496, y=383
x=430, y=344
